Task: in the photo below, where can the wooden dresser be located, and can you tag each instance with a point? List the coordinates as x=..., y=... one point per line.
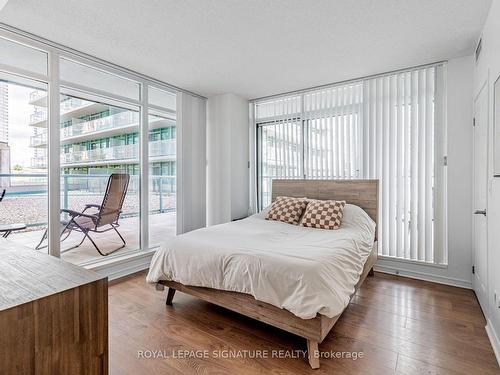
x=53, y=315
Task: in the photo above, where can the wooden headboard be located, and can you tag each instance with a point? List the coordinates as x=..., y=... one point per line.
x=362, y=193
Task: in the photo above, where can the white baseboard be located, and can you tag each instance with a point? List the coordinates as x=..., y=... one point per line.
x=495, y=342
x=423, y=276
x=123, y=266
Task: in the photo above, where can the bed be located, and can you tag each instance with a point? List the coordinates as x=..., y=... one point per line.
x=294, y=278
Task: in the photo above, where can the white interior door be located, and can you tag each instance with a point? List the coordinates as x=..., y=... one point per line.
x=480, y=269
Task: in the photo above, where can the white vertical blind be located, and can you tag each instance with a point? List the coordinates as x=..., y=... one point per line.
x=333, y=127
x=404, y=160
x=382, y=127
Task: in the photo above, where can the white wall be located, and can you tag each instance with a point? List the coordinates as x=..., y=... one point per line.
x=459, y=86
x=487, y=71
x=227, y=158
x=191, y=163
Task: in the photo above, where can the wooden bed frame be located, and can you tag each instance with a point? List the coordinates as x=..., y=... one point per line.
x=363, y=193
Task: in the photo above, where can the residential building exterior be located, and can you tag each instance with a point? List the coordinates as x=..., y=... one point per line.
x=98, y=139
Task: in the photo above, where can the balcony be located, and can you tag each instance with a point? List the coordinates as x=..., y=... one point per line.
x=26, y=201
x=107, y=126
x=38, y=98
x=39, y=162
x=124, y=153
x=38, y=116
x=69, y=107
x=117, y=120
x=38, y=140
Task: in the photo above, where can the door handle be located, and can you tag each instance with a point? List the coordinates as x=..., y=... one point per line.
x=480, y=212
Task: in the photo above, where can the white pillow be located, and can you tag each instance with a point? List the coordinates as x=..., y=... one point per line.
x=355, y=216
x=262, y=214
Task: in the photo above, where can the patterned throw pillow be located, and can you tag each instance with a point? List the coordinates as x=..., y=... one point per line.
x=287, y=209
x=323, y=214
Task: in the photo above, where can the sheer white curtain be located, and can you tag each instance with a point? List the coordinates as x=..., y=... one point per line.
x=389, y=127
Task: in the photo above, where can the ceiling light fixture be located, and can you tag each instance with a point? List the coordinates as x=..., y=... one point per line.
x=2, y=3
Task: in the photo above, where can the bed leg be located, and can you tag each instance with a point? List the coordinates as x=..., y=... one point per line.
x=371, y=273
x=170, y=296
x=313, y=354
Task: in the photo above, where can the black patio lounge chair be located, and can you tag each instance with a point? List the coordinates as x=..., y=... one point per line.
x=107, y=215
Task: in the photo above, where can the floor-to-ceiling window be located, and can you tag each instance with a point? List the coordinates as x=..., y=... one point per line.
x=99, y=139
x=385, y=127
x=23, y=173
x=110, y=122
x=23, y=170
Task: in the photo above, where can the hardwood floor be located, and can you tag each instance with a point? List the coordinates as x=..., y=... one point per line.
x=402, y=326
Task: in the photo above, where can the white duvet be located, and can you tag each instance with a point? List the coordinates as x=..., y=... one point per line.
x=303, y=270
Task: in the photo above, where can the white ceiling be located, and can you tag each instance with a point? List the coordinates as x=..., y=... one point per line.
x=256, y=48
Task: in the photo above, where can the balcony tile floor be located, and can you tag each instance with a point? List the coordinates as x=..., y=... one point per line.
x=162, y=227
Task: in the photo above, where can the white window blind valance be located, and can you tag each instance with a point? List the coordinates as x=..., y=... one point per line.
x=388, y=127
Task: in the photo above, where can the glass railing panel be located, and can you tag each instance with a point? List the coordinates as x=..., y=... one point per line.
x=117, y=120
x=36, y=95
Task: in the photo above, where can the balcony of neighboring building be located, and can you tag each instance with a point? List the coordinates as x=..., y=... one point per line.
x=39, y=162
x=70, y=108
x=38, y=140
x=109, y=126
x=162, y=150
x=38, y=98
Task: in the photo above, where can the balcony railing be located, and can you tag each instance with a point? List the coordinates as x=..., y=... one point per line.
x=88, y=127
x=110, y=122
x=162, y=148
x=39, y=162
x=115, y=121
x=37, y=94
x=26, y=198
x=38, y=140
x=38, y=116
x=66, y=106
x=123, y=152
x=101, y=154
x=73, y=103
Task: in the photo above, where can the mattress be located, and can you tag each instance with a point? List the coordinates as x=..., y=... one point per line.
x=303, y=270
